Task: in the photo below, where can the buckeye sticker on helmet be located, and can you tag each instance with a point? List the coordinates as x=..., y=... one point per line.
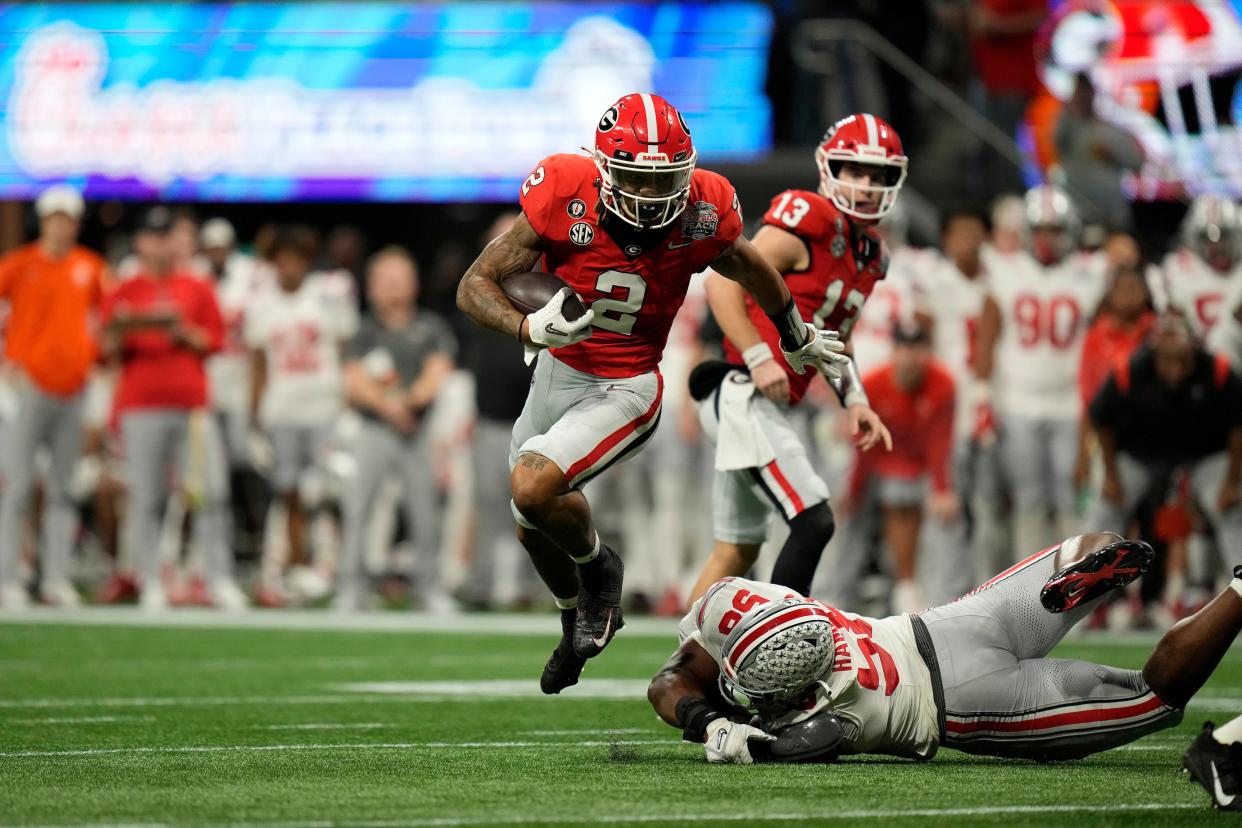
x=581, y=233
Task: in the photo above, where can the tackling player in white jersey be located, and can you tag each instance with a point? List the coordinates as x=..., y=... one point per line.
x=1198, y=276
x=1034, y=321
x=295, y=332
x=972, y=675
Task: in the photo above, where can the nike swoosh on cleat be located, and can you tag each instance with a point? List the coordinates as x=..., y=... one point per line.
x=601, y=642
x=1220, y=793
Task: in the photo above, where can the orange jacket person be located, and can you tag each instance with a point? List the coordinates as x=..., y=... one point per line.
x=53, y=287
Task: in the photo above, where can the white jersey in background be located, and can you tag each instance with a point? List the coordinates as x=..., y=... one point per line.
x=300, y=334
x=237, y=290
x=954, y=303
x=890, y=304
x=1190, y=286
x=1045, y=313
x=879, y=685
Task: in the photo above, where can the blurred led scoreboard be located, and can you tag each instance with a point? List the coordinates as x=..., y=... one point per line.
x=355, y=101
x=1167, y=71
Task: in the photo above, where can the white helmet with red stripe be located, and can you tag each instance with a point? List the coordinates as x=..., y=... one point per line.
x=867, y=140
x=775, y=653
x=645, y=159
x=1213, y=230
x=1054, y=224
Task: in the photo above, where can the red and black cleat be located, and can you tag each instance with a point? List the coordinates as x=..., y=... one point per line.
x=1113, y=566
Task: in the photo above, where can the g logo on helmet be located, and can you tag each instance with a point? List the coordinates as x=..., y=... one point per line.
x=609, y=119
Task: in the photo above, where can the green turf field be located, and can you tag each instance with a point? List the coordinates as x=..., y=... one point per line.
x=140, y=725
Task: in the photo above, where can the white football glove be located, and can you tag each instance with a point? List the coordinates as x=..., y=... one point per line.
x=729, y=742
x=548, y=327
x=821, y=350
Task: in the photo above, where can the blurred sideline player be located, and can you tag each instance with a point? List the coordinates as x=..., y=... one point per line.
x=161, y=324
x=395, y=367
x=626, y=229
x=54, y=288
x=914, y=395
x=972, y=675
x=949, y=296
x=295, y=330
x=1207, y=267
x=1034, y=320
x=824, y=246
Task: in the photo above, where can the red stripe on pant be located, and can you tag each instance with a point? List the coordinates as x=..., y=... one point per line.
x=1055, y=720
x=1016, y=567
x=789, y=491
x=610, y=442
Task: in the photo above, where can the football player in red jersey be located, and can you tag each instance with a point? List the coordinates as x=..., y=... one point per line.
x=827, y=251
x=625, y=229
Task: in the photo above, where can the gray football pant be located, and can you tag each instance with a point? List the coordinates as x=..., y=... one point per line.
x=55, y=422
x=1137, y=480
x=158, y=450
x=378, y=451
x=1003, y=697
x=1038, y=455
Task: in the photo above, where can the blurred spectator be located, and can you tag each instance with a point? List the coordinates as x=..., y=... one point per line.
x=914, y=397
x=53, y=287
x=394, y=368
x=345, y=248
x=1009, y=230
x=1206, y=266
x=184, y=240
x=295, y=329
x=1002, y=42
x=1172, y=407
x=1094, y=154
x=162, y=324
x=501, y=379
x=1123, y=323
x=1031, y=333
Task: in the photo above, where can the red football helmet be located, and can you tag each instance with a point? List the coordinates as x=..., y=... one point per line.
x=869, y=140
x=645, y=160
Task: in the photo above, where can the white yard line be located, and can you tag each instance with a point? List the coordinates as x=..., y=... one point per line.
x=329, y=726
x=82, y=720
x=633, y=689
x=26, y=754
x=492, y=624
x=586, y=731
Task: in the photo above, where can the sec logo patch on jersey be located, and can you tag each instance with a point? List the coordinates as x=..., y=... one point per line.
x=581, y=233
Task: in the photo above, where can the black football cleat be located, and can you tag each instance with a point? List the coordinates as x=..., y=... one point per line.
x=564, y=666
x=1113, y=566
x=1217, y=767
x=599, y=604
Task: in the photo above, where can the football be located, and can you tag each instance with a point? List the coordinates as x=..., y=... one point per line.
x=528, y=292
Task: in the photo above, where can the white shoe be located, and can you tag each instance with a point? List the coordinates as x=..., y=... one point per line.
x=439, y=603
x=153, y=598
x=226, y=595
x=60, y=594
x=14, y=597
x=906, y=598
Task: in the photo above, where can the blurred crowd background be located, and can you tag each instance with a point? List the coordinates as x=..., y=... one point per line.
x=272, y=399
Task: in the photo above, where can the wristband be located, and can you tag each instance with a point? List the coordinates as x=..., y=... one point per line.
x=756, y=355
x=849, y=388
x=519, y=330
x=694, y=715
x=789, y=324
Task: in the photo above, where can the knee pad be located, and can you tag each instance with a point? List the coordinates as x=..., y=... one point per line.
x=521, y=520
x=815, y=526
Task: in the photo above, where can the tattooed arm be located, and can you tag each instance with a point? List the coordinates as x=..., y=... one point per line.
x=479, y=295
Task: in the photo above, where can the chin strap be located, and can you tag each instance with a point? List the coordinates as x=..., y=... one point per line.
x=849, y=388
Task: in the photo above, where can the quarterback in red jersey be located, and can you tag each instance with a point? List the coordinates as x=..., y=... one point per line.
x=625, y=229
x=827, y=251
